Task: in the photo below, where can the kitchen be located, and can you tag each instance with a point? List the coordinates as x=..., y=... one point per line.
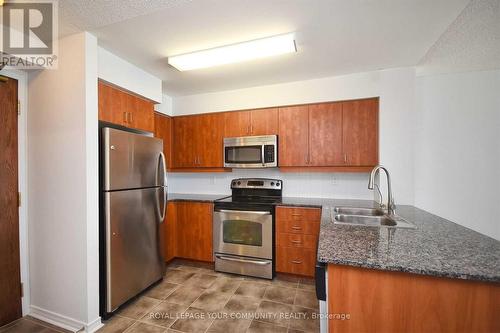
x=249, y=196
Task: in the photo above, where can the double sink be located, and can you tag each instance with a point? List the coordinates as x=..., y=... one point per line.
x=369, y=217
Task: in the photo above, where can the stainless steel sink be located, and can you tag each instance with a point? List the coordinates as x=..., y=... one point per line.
x=368, y=217
x=359, y=211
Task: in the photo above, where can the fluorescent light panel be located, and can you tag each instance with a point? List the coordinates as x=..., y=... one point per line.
x=254, y=49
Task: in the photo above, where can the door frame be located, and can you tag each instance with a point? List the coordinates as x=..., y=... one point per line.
x=22, y=91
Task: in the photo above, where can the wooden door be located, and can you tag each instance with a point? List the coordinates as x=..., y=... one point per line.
x=236, y=123
x=10, y=274
x=264, y=122
x=194, y=230
x=163, y=130
x=170, y=232
x=360, y=132
x=294, y=136
x=110, y=108
x=209, y=133
x=183, y=142
x=325, y=134
x=143, y=115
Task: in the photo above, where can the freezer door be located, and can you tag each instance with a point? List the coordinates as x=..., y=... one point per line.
x=134, y=258
x=131, y=160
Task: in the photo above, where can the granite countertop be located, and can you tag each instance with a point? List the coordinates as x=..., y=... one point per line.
x=437, y=247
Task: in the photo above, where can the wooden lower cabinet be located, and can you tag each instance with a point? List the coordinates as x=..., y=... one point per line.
x=384, y=301
x=188, y=231
x=297, y=232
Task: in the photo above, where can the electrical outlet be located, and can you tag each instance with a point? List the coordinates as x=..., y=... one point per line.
x=335, y=180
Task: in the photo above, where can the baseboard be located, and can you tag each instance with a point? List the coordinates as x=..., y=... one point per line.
x=64, y=322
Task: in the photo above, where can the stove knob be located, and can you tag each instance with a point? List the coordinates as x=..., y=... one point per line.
x=239, y=183
x=234, y=183
x=272, y=183
x=277, y=183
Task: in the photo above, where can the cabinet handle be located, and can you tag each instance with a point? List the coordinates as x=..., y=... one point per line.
x=296, y=261
x=251, y=129
x=295, y=227
x=345, y=158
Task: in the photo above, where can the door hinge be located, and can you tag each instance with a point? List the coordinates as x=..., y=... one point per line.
x=18, y=199
x=22, y=289
x=18, y=107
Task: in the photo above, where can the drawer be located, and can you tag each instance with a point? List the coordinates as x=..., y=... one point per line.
x=298, y=227
x=298, y=214
x=295, y=261
x=297, y=240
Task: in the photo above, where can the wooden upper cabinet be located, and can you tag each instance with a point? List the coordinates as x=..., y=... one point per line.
x=360, y=132
x=209, y=136
x=122, y=108
x=252, y=122
x=236, y=123
x=325, y=134
x=264, y=122
x=184, y=142
x=110, y=105
x=294, y=136
x=197, y=141
x=163, y=130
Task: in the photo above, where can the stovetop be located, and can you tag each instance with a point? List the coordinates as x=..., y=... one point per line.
x=252, y=193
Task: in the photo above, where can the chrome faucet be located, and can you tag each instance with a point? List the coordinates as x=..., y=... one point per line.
x=391, y=207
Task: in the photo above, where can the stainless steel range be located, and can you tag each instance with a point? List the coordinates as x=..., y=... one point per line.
x=244, y=227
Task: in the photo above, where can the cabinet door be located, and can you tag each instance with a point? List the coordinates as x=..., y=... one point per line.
x=143, y=115
x=110, y=109
x=360, y=132
x=163, y=130
x=264, y=122
x=294, y=136
x=194, y=230
x=184, y=142
x=209, y=136
x=236, y=123
x=325, y=134
x=170, y=232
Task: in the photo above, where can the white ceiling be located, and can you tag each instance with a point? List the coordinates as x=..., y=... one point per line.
x=334, y=37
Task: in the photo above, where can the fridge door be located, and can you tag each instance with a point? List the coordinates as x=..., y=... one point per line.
x=131, y=160
x=134, y=258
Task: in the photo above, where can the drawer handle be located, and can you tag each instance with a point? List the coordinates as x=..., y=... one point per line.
x=296, y=261
x=295, y=227
x=296, y=241
x=296, y=214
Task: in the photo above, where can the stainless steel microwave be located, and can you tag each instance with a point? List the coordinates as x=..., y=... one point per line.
x=251, y=152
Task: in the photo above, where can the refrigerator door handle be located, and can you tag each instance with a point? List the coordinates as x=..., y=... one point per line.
x=161, y=165
x=162, y=208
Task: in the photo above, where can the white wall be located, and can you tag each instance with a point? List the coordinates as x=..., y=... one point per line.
x=457, y=174
x=166, y=106
x=63, y=187
x=396, y=90
x=117, y=71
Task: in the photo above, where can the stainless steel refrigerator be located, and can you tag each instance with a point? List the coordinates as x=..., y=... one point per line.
x=133, y=205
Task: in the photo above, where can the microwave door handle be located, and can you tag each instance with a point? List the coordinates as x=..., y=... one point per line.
x=262, y=155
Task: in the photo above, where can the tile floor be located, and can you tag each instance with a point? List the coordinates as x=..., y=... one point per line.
x=197, y=299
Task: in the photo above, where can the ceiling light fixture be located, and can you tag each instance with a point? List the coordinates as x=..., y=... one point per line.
x=254, y=49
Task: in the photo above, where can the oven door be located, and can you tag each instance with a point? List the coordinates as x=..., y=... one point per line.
x=243, y=233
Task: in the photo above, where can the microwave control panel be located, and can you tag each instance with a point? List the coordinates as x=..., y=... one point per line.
x=269, y=154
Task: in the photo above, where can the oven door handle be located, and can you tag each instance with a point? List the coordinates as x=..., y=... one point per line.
x=242, y=212
x=246, y=261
